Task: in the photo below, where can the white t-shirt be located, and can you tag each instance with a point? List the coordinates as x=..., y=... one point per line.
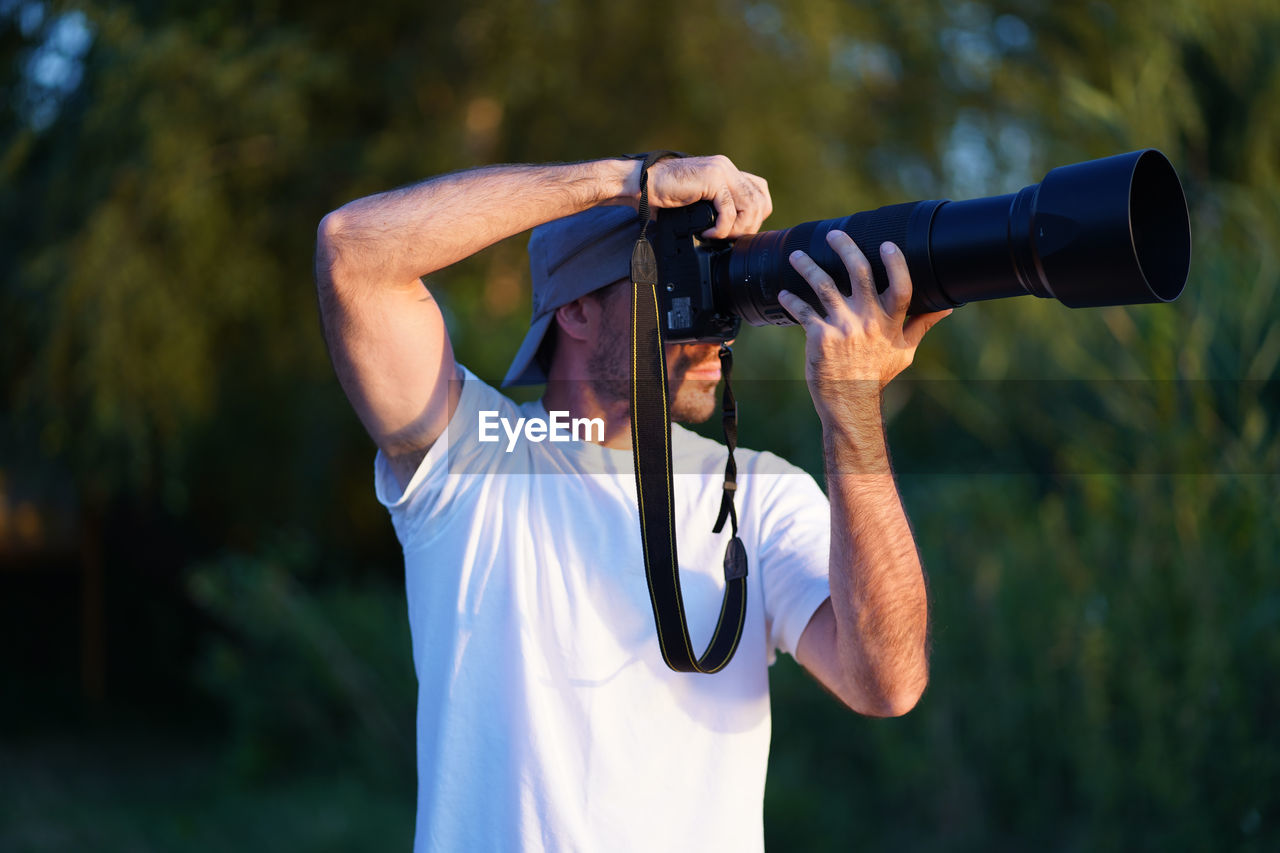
x=547, y=719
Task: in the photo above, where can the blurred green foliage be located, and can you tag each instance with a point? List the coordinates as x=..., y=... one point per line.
x=309, y=677
x=1106, y=600
x=137, y=793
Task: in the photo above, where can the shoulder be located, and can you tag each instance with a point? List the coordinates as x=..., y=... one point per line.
x=480, y=390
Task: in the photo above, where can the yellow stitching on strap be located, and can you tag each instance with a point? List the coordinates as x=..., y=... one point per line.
x=644, y=536
x=671, y=500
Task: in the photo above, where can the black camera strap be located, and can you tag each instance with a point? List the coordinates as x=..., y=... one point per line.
x=651, y=449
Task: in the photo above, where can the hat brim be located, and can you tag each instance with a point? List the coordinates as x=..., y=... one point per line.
x=524, y=368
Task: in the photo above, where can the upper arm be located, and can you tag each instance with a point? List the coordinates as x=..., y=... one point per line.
x=389, y=347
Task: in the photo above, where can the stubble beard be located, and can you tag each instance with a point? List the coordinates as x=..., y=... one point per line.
x=691, y=401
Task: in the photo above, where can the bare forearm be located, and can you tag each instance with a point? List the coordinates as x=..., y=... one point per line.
x=877, y=584
x=870, y=646
x=404, y=234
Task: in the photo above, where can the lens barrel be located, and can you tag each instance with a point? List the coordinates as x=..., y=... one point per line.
x=1113, y=231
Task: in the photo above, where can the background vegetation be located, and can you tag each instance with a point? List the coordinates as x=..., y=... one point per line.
x=202, y=630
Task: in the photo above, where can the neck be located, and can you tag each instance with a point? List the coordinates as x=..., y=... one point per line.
x=581, y=400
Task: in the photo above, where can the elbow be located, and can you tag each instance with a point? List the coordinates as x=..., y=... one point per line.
x=893, y=700
x=329, y=233
x=329, y=240
x=902, y=701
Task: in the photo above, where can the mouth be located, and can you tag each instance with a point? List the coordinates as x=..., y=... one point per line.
x=694, y=363
x=704, y=372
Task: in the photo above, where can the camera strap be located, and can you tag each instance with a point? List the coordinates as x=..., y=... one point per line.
x=651, y=450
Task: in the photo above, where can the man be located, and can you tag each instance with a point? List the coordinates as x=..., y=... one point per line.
x=546, y=718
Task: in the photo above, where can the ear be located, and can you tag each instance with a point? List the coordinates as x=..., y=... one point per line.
x=576, y=319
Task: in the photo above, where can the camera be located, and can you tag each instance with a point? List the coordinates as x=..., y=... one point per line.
x=1113, y=231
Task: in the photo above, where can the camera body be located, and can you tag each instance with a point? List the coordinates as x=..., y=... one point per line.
x=686, y=283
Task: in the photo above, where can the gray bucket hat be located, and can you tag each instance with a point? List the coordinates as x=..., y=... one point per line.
x=568, y=259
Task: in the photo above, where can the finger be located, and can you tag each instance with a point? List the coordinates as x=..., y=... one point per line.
x=745, y=196
x=755, y=190
x=802, y=312
x=825, y=289
x=916, y=327
x=863, y=286
x=726, y=214
x=897, y=296
x=766, y=200
x=748, y=209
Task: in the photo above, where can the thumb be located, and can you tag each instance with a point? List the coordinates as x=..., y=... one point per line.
x=916, y=327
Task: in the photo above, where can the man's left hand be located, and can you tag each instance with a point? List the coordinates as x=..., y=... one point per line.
x=865, y=339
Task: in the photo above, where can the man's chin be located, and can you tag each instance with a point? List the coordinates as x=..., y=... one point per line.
x=695, y=401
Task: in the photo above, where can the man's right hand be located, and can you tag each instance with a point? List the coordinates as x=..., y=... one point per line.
x=741, y=199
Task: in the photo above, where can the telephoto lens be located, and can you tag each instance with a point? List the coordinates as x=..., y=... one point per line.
x=1113, y=231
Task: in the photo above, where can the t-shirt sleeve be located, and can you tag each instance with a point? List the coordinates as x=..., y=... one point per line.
x=795, y=536
x=451, y=470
